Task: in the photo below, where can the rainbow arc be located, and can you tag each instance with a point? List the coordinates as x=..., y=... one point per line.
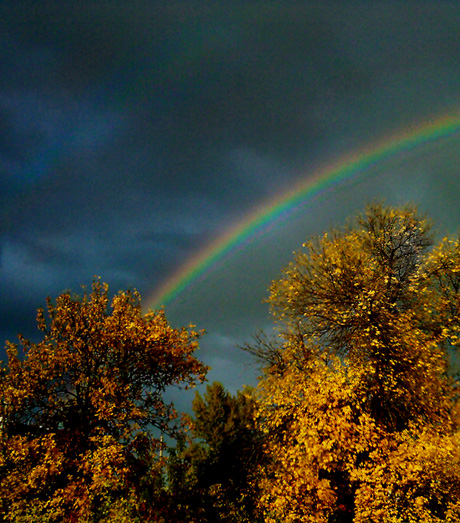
x=257, y=222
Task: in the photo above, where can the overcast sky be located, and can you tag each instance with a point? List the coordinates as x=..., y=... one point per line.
x=134, y=134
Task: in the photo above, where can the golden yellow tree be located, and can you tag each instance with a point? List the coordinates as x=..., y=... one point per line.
x=359, y=404
x=80, y=408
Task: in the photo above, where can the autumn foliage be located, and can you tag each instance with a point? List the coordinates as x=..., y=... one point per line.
x=360, y=410
x=82, y=410
x=355, y=418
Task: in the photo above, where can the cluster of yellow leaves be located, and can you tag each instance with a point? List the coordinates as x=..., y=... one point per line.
x=78, y=407
x=416, y=479
x=316, y=431
x=360, y=409
x=327, y=455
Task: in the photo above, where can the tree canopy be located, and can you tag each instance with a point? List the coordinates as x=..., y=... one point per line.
x=80, y=407
x=212, y=474
x=360, y=407
x=355, y=418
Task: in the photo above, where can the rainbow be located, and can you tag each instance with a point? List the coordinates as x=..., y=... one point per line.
x=260, y=220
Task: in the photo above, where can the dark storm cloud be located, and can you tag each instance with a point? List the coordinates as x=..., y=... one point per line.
x=134, y=133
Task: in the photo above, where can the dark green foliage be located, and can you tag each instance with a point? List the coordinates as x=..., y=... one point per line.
x=213, y=473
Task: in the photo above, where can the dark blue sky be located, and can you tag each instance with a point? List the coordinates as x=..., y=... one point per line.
x=134, y=133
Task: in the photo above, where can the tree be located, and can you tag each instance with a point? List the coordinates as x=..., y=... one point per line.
x=360, y=391
x=81, y=407
x=212, y=475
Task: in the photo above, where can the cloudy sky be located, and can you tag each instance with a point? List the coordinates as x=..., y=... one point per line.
x=134, y=134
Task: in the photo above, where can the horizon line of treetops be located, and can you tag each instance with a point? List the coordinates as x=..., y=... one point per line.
x=355, y=418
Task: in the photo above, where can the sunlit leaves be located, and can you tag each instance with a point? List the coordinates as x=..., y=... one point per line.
x=416, y=479
x=74, y=404
x=360, y=409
